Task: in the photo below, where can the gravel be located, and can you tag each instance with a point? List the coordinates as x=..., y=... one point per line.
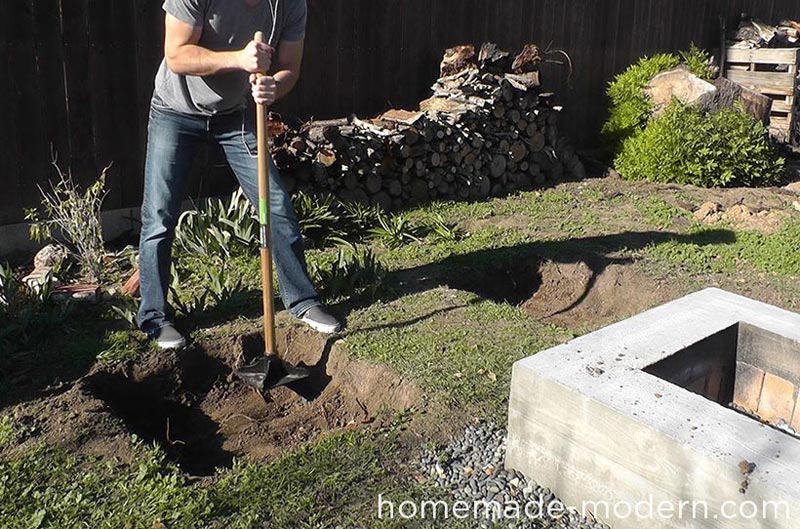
x=471, y=468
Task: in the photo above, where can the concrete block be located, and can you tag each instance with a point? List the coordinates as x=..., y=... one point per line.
x=595, y=421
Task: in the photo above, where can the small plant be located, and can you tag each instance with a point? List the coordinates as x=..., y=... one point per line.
x=186, y=302
x=125, y=308
x=351, y=273
x=698, y=61
x=318, y=219
x=689, y=146
x=359, y=218
x=441, y=231
x=220, y=288
x=27, y=314
x=118, y=347
x=218, y=228
x=395, y=230
x=73, y=216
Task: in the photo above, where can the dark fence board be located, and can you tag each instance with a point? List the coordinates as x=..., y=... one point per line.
x=80, y=79
x=26, y=92
x=9, y=168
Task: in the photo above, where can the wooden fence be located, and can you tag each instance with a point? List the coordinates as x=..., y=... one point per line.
x=76, y=75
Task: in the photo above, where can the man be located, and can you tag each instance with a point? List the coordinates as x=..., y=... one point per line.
x=201, y=92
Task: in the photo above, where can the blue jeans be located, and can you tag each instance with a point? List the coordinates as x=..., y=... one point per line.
x=173, y=140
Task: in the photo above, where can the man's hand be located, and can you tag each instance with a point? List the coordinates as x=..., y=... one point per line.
x=256, y=57
x=265, y=89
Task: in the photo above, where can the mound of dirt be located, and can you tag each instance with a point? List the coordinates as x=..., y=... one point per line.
x=192, y=405
x=742, y=217
x=577, y=295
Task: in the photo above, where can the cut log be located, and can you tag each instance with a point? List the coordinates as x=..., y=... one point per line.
x=491, y=56
x=457, y=59
x=729, y=93
x=528, y=59
x=498, y=165
x=681, y=84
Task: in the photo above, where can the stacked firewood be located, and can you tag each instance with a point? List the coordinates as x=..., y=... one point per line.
x=487, y=130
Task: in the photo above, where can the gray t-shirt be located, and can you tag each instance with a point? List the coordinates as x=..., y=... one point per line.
x=228, y=25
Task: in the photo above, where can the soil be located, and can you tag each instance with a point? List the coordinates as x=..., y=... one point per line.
x=581, y=294
x=192, y=405
x=740, y=216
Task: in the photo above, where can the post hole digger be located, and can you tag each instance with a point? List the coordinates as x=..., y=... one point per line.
x=268, y=370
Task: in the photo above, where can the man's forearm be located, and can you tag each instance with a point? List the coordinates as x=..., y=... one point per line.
x=191, y=59
x=285, y=81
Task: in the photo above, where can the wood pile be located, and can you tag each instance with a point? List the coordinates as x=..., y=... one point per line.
x=487, y=130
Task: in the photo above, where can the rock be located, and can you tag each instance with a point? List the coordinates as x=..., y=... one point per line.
x=38, y=278
x=680, y=84
x=483, y=446
x=793, y=187
x=49, y=256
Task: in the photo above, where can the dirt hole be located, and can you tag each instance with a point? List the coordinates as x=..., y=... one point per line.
x=191, y=404
x=506, y=282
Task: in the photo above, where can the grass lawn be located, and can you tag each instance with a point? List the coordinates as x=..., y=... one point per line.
x=449, y=314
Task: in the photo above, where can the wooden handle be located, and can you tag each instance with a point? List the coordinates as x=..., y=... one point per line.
x=264, y=220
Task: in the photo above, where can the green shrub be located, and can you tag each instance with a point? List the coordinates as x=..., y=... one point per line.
x=690, y=146
x=698, y=61
x=630, y=105
x=72, y=216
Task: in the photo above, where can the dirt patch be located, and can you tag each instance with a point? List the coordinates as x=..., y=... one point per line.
x=582, y=295
x=742, y=217
x=190, y=403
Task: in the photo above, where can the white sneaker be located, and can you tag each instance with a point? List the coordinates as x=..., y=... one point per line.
x=168, y=337
x=320, y=321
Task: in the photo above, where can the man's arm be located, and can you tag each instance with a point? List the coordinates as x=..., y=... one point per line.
x=185, y=57
x=288, y=60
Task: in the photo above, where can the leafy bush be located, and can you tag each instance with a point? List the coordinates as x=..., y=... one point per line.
x=630, y=105
x=73, y=217
x=689, y=146
x=698, y=61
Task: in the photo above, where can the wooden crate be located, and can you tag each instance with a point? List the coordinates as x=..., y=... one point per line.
x=772, y=72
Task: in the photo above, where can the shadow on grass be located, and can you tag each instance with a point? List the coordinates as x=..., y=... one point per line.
x=511, y=275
